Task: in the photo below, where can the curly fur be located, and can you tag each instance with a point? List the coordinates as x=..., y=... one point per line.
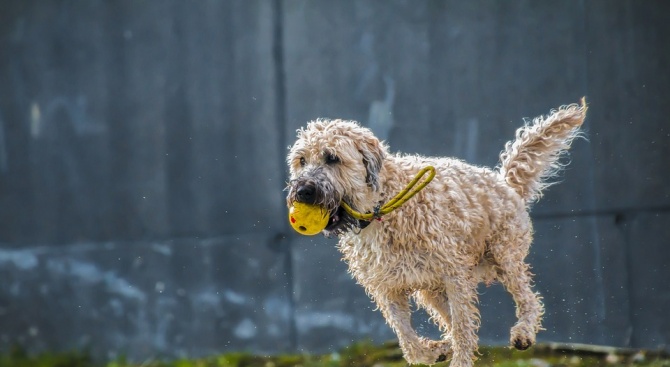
x=469, y=225
x=533, y=157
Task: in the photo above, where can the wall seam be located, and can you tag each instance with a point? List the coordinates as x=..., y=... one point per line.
x=283, y=239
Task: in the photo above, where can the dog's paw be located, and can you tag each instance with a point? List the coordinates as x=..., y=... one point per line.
x=430, y=352
x=522, y=344
x=522, y=337
x=441, y=348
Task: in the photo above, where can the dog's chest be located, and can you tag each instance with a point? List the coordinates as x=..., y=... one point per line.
x=377, y=264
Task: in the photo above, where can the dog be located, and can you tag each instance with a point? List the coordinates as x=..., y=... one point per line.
x=469, y=225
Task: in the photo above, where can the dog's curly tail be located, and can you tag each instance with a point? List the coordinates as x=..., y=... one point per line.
x=533, y=157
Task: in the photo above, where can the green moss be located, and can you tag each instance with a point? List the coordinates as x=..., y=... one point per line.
x=18, y=357
x=364, y=354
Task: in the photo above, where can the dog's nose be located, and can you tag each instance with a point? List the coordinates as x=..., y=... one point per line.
x=306, y=194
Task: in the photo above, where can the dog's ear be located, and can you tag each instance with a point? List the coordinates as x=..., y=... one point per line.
x=373, y=152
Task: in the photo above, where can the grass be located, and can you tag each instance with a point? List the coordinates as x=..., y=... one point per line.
x=365, y=354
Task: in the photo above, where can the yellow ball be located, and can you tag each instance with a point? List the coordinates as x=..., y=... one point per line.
x=307, y=219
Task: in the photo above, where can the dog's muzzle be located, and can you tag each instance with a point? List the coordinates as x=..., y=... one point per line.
x=306, y=194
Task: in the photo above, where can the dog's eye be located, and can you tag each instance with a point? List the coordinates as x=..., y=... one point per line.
x=302, y=162
x=332, y=159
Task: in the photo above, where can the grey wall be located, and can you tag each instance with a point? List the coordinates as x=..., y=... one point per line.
x=142, y=145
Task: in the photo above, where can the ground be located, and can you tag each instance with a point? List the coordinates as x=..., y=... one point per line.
x=369, y=355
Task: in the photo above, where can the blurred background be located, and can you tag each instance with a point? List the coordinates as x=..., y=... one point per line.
x=142, y=148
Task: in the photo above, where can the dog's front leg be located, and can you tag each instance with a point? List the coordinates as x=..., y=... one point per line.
x=396, y=309
x=437, y=306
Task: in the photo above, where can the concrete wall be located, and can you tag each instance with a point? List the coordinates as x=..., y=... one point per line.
x=142, y=163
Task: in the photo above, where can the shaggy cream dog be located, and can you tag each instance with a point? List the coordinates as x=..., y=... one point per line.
x=469, y=225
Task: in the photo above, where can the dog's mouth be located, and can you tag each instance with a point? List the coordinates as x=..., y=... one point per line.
x=335, y=219
x=339, y=222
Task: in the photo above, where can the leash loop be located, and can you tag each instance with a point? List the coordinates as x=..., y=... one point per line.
x=403, y=196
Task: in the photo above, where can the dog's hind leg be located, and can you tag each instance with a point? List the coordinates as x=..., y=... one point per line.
x=516, y=278
x=396, y=309
x=529, y=309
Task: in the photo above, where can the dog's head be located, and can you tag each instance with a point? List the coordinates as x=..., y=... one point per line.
x=334, y=161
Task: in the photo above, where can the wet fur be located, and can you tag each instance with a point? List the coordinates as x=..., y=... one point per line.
x=469, y=225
